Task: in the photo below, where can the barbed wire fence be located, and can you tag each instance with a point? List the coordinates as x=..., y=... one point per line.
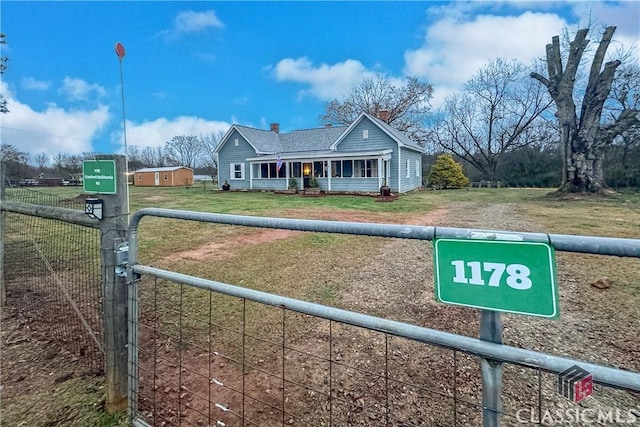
x=52, y=276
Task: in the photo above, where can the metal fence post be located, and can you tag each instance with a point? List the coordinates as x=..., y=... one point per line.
x=113, y=230
x=491, y=330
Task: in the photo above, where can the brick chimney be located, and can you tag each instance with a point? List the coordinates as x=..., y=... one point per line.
x=328, y=125
x=384, y=115
x=275, y=127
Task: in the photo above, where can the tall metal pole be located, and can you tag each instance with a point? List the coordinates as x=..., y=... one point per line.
x=120, y=52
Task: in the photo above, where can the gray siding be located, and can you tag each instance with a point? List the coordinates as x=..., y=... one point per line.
x=377, y=140
x=413, y=181
x=356, y=185
x=229, y=154
x=270, y=184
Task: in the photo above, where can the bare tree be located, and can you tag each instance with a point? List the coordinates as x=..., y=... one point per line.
x=584, y=137
x=153, y=157
x=209, y=144
x=3, y=66
x=184, y=150
x=493, y=115
x=42, y=161
x=407, y=104
x=16, y=162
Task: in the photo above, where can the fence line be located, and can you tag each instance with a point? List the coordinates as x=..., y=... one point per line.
x=51, y=269
x=612, y=377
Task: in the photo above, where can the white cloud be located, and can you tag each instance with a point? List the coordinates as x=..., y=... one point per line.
x=465, y=36
x=326, y=82
x=52, y=130
x=454, y=50
x=624, y=15
x=79, y=90
x=157, y=132
x=30, y=83
x=189, y=22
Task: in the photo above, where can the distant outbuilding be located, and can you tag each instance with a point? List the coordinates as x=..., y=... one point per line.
x=174, y=176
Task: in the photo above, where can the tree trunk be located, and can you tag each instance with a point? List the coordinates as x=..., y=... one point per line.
x=583, y=168
x=583, y=138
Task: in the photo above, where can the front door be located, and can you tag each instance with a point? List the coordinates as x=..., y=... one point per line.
x=307, y=171
x=157, y=178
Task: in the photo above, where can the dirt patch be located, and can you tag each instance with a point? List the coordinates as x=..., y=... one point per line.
x=230, y=246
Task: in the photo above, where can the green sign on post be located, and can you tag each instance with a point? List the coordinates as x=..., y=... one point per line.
x=99, y=176
x=508, y=276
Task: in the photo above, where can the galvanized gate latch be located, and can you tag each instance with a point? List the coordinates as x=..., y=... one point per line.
x=122, y=258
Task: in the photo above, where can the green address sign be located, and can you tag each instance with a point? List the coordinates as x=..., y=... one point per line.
x=508, y=276
x=99, y=176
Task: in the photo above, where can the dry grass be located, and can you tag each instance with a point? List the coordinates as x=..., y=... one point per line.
x=385, y=277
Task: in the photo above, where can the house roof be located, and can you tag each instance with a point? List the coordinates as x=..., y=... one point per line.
x=266, y=142
x=163, y=169
x=399, y=137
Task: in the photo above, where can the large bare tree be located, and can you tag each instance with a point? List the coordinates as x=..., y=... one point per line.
x=493, y=115
x=583, y=137
x=407, y=104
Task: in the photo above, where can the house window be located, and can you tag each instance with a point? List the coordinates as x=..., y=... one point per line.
x=235, y=142
x=367, y=168
x=282, y=173
x=408, y=168
x=417, y=168
x=336, y=168
x=236, y=171
x=319, y=169
x=372, y=168
x=270, y=170
x=347, y=168
x=365, y=134
x=139, y=177
x=166, y=176
x=296, y=169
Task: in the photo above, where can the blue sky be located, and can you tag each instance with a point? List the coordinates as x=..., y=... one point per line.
x=198, y=67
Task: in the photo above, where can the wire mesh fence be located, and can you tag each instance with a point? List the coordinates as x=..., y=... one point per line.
x=53, y=277
x=206, y=358
x=210, y=353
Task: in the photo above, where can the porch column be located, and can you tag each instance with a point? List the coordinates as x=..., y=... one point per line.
x=251, y=176
x=329, y=175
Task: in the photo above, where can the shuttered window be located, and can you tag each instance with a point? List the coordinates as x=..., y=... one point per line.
x=236, y=171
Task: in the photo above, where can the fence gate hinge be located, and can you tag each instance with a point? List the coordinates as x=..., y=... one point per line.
x=122, y=258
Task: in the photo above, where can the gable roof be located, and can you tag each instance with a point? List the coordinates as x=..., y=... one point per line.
x=402, y=139
x=318, y=139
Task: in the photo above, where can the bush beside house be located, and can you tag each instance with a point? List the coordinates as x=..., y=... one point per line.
x=447, y=173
